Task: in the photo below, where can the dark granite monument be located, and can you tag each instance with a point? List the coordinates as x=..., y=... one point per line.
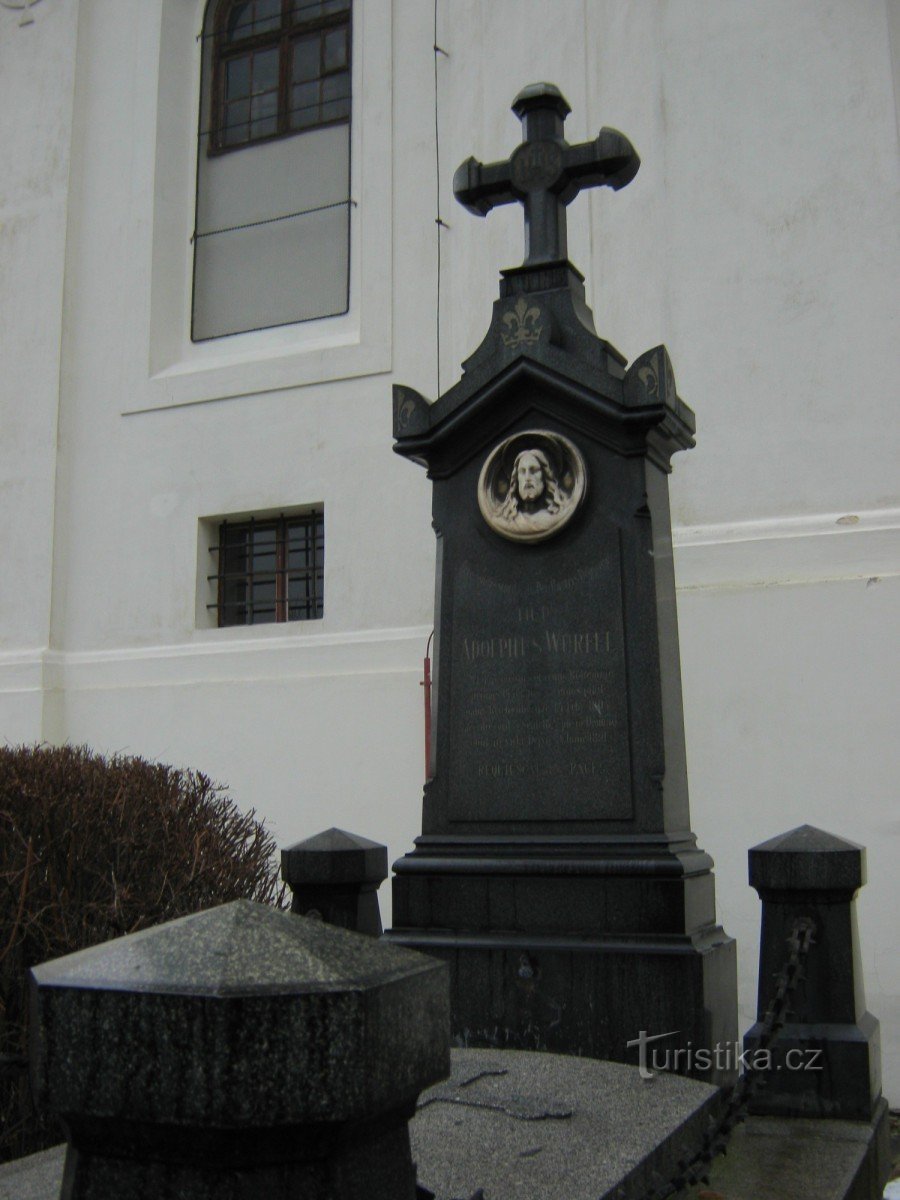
x=556, y=872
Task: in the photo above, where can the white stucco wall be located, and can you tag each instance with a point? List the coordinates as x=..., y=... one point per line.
x=36, y=82
x=758, y=241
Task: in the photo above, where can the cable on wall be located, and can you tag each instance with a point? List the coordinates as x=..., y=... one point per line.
x=440, y=224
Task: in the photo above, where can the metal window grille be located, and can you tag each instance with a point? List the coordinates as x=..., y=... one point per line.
x=280, y=67
x=270, y=570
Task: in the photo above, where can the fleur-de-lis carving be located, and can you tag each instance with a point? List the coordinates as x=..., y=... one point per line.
x=521, y=321
x=405, y=411
x=649, y=377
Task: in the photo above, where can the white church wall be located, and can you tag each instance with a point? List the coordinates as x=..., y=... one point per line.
x=36, y=82
x=757, y=242
x=790, y=712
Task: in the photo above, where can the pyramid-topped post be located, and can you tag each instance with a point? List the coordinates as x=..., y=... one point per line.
x=827, y=1057
x=335, y=876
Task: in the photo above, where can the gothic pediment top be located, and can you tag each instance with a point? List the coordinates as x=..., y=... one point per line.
x=486, y=400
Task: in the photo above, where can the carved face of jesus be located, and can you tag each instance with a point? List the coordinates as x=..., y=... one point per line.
x=529, y=477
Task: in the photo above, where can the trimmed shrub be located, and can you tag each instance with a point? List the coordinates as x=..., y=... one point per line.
x=92, y=848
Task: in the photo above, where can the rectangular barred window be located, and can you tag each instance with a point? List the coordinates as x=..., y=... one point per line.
x=270, y=570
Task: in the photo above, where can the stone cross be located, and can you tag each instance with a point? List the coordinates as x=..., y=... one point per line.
x=545, y=173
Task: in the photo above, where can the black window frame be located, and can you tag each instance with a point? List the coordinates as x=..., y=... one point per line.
x=233, y=609
x=299, y=18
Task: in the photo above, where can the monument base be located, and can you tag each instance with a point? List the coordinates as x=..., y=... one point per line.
x=606, y=948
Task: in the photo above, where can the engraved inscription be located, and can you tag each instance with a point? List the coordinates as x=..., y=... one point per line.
x=539, y=724
x=536, y=166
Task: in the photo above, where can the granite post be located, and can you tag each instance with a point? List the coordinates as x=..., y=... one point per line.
x=557, y=873
x=238, y=1053
x=826, y=1060
x=336, y=875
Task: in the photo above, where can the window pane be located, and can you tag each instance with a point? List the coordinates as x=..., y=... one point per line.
x=264, y=106
x=263, y=600
x=336, y=87
x=239, y=21
x=264, y=115
x=265, y=71
x=306, y=59
x=336, y=49
x=237, y=78
x=264, y=548
x=235, y=134
x=268, y=15
x=334, y=6
x=236, y=118
x=298, y=600
x=304, y=105
x=233, y=569
x=251, y=18
x=336, y=96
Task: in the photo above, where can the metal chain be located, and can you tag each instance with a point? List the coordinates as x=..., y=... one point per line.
x=693, y=1170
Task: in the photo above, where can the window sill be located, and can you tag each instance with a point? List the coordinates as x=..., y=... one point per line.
x=268, y=360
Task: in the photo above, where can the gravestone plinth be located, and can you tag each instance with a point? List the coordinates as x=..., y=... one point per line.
x=557, y=873
x=238, y=1053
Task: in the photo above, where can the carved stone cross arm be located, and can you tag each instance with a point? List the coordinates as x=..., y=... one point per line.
x=545, y=173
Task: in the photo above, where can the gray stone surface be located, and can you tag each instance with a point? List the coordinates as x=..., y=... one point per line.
x=335, y=856
x=238, y=1014
x=237, y=1053
x=37, y=1177
x=528, y=1126
x=544, y=1127
x=779, y=1158
x=809, y=860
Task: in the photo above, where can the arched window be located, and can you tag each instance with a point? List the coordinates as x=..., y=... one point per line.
x=271, y=242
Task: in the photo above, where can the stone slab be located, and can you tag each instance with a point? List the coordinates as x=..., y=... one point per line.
x=37, y=1177
x=541, y=1126
x=535, y=1126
